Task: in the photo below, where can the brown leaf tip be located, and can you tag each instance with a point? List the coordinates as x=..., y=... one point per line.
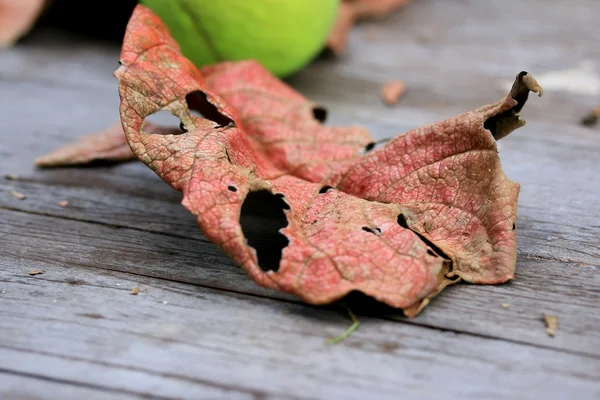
x=500, y=125
x=524, y=83
x=530, y=83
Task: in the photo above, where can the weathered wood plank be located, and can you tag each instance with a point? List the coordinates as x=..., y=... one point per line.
x=177, y=339
x=562, y=228
x=541, y=286
x=34, y=359
x=536, y=156
x=30, y=387
x=52, y=91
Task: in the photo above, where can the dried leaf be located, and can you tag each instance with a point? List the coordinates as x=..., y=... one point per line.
x=376, y=8
x=428, y=209
x=17, y=17
x=505, y=305
x=109, y=145
x=36, y=272
x=392, y=91
x=63, y=203
x=351, y=11
x=346, y=17
x=135, y=291
x=17, y=195
x=11, y=177
x=551, y=322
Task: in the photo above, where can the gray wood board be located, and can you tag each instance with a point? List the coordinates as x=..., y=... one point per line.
x=220, y=334
x=80, y=324
x=27, y=386
x=541, y=285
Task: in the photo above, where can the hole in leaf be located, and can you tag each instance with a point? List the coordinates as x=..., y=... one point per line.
x=232, y=188
x=325, y=189
x=261, y=219
x=403, y=223
x=198, y=101
x=319, y=113
x=375, y=231
x=164, y=123
x=284, y=205
x=490, y=124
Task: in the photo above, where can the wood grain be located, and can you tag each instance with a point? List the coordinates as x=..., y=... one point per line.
x=186, y=339
x=76, y=332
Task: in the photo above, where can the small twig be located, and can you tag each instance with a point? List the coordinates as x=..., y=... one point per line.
x=371, y=145
x=348, y=331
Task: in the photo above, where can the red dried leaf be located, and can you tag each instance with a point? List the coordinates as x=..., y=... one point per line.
x=17, y=18
x=336, y=242
x=351, y=11
x=449, y=182
x=108, y=145
x=282, y=125
x=399, y=224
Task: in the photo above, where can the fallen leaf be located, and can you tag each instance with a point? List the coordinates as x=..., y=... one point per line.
x=295, y=203
x=376, y=8
x=551, y=322
x=17, y=17
x=392, y=91
x=109, y=145
x=346, y=17
x=63, y=203
x=36, y=272
x=505, y=305
x=17, y=195
x=135, y=291
x=350, y=12
x=11, y=177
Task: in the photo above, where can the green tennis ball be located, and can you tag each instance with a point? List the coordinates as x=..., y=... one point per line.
x=283, y=35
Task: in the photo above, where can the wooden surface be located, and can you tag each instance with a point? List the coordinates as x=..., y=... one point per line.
x=200, y=328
